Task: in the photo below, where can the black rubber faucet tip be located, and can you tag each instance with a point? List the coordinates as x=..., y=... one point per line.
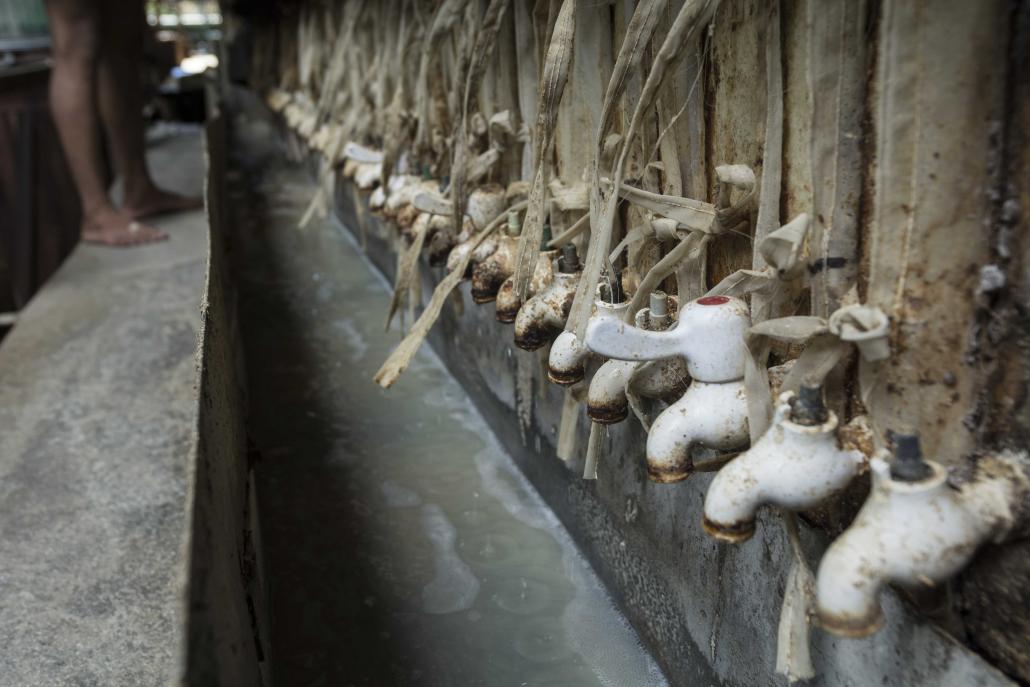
x=808, y=408
x=569, y=259
x=545, y=238
x=908, y=464
x=613, y=292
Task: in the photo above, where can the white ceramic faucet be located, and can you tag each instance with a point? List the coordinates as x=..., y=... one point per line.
x=709, y=336
x=914, y=529
x=489, y=274
x=795, y=465
x=567, y=359
x=484, y=205
x=507, y=304
x=665, y=379
x=543, y=316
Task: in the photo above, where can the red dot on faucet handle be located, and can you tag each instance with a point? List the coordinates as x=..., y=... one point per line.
x=713, y=300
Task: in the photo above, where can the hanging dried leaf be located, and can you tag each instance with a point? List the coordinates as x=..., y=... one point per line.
x=552, y=86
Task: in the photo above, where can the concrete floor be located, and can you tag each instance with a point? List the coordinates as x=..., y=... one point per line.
x=400, y=543
x=97, y=428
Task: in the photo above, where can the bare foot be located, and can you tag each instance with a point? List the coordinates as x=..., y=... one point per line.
x=158, y=202
x=116, y=228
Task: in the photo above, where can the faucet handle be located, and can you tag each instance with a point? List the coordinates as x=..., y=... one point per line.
x=709, y=336
x=616, y=339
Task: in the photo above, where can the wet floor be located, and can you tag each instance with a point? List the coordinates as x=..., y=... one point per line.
x=402, y=546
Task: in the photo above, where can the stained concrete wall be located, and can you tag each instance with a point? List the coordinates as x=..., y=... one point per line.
x=902, y=135
x=704, y=608
x=227, y=626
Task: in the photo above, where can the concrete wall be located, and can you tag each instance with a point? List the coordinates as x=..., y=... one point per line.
x=706, y=609
x=227, y=626
x=902, y=136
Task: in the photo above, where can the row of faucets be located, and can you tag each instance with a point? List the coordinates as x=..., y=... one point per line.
x=915, y=528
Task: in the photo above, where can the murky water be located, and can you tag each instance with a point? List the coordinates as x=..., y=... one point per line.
x=402, y=545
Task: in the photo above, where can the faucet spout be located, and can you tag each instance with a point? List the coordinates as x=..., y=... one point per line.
x=710, y=414
x=489, y=275
x=567, y=360
x=464, y=247
x=795, y=465
x=910, y=533
x=543, y=316
x=507, y=304
x=608, y=397
x=606, y=400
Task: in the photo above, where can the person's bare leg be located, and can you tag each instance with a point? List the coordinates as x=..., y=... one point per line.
x=74, y=29
x=121, y=109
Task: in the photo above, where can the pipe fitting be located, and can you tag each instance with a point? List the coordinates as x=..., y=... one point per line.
x=911, y=533
x=795, y=465
x=567, y=360
x=543, y=316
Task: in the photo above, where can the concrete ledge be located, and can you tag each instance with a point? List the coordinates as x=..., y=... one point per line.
x=129, y=553
x=98, y=414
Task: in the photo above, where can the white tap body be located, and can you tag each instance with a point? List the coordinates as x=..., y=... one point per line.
x=910, y=534
x=709, y=337
x=507, y=304
x=714, y=415
x=792, y=466
x=543, y=316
